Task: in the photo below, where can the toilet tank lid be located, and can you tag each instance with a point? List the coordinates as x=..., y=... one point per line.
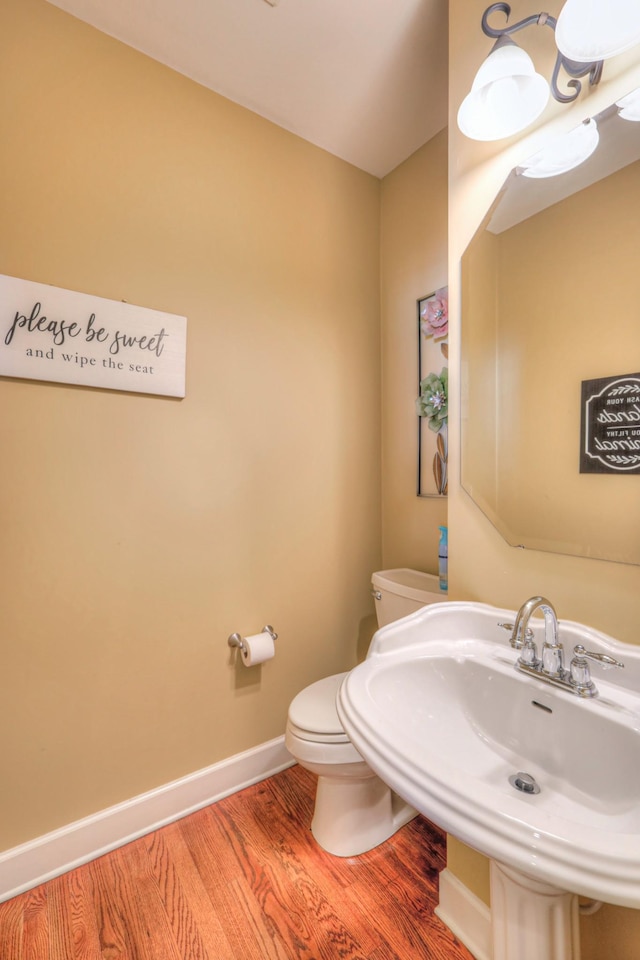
x=412, y=584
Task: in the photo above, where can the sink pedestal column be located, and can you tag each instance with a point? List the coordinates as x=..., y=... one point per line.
x=531, y=920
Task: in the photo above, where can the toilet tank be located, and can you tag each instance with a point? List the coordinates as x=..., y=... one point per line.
x=398, y=593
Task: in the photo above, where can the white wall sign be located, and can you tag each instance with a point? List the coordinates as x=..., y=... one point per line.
x=47, y=333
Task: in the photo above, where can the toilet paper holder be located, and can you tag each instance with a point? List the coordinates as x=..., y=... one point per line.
x=236, y=640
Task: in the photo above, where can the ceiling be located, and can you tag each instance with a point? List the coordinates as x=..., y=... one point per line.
x=364, y=79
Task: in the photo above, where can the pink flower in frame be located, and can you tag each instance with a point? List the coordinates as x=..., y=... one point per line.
x=435, y=315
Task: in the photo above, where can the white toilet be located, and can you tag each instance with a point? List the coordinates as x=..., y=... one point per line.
x=354, y=810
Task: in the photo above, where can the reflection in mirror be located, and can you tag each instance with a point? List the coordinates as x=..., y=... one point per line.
x=551, y=298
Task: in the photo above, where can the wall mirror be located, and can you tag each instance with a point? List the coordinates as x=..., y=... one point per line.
x=551, y=299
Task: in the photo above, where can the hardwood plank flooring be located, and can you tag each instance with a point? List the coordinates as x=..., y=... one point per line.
x=242, y=879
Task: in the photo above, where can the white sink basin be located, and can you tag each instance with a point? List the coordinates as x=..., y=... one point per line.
x=440, y=713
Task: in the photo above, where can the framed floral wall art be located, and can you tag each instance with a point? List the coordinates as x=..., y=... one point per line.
x=433, y=399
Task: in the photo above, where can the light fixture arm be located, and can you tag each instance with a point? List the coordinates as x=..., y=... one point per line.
x=538, y=18
x=574, y=69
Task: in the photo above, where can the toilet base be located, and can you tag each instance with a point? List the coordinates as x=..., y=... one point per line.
x=354, y=815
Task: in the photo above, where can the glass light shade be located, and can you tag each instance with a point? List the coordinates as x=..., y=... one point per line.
x=590, y=30
x=563, y=153
x=506, y=95
x=629, y=106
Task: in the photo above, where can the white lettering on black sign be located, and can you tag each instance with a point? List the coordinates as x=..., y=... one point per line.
x=610, y=428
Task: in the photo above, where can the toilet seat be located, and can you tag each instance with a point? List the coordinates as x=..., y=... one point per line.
x=313, y=715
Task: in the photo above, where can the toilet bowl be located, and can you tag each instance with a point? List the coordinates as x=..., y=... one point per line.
x=354, y=810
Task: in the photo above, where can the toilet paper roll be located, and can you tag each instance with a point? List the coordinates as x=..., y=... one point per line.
x=257, y=649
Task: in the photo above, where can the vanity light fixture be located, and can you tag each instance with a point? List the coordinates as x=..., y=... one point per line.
x=507, y=94
x=563, y=153
x=629, y=106
x=590, y=30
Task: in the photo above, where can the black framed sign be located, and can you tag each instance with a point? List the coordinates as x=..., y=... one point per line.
x=610, y=425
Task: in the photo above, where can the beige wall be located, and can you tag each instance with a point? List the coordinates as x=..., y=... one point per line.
x=479, y=370
x=413, y=265
x=482, y=566
x=139, y=532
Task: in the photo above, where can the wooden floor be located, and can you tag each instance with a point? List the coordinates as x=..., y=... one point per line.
x=241, y=880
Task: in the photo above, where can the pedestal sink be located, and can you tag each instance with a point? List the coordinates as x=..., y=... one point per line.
x=440, y=712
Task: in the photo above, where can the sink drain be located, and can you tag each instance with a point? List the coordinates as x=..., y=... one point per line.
x=524, y=782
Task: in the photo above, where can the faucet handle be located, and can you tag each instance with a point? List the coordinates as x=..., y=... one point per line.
x=528, y=634
x=581, y=654
x=579, y=673
x=529, y=655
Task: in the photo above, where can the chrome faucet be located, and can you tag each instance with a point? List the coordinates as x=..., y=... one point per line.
x=551, y=662
x=550, y=666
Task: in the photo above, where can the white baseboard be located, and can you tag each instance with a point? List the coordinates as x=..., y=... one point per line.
x=468, y=917
x=54, y=853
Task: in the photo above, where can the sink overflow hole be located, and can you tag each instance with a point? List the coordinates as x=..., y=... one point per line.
x=541, y=706
x=524, y=782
